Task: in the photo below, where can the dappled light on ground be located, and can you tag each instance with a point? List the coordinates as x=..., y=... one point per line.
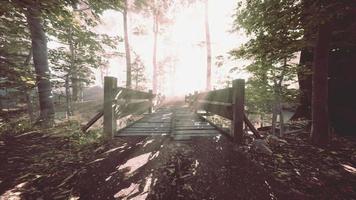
x=14, y=193
x=136, y=191
x=349, y=168
x=134, y=163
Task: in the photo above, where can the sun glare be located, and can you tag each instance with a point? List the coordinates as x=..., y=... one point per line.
x=183, y=41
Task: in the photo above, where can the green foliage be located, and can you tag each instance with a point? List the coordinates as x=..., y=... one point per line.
x=138, y=73
x=66, y=25
x=278, y=30
x=14, y=49
x=72, y=129
x=16, y=126
x=276, y=35
x=82, y=49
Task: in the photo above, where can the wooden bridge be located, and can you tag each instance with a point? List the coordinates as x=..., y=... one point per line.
x=180, y=121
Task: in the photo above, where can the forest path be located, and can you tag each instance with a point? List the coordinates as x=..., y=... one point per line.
x=38, y=165
x=163, y=168
x=173, y=154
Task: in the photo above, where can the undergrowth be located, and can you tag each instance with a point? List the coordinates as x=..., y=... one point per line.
x=77, y=137
x=70, y=129
x=16, y=126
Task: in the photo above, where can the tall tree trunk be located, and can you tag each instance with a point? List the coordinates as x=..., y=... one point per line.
x=73, y=68
x=127, y=47
x=154, y=59
x=274, y=118
x=208, y=46
x=81, y=92
x=281, y=120
x=75, y=83
x=305, y=64
x=68, y=97
x=28, y=91
x=40, y=59
x=304, y=72
x=136, y=81
x=320, y=115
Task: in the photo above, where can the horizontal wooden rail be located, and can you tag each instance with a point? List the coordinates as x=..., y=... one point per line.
x=125, y=93
x=228, y=103
x=120, y=102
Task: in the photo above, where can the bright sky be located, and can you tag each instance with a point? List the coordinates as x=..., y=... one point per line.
x=180, y=40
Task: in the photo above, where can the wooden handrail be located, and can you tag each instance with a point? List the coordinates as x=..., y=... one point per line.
x=123, y=100
x=228, y=103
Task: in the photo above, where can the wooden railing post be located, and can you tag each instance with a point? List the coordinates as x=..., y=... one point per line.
x=194, y=101
x=150, y=101
x=110, y=84
x=238, y=101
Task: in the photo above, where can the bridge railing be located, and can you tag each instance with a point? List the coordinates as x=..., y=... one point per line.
x=228, y=103
x=120, y=102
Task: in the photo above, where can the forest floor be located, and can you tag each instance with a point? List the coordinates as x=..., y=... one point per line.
x=50, y=164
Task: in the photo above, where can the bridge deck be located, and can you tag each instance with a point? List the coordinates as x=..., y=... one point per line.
x=177, y=121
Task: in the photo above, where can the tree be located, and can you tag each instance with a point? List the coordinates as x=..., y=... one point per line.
x=82, y=50
x=274, y=41
x=40, y=59
x=208, y=46
x=158, y=10
x=320, y=113
x=127, y=46
x=138, y=73
x=16, y=54
x=282, y=28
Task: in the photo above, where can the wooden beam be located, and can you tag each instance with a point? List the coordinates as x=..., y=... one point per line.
x=238, y=100
x=92, y=121
x=150, y=98
x=110, y=85
x=251, y=127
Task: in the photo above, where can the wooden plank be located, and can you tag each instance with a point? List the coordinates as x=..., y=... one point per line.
x=251, y=127
x=196, y=132
x=150, y=98
x=194, y=128
x=223, y=131
x=142, y=134
x=148, y=129
x=138, y=131
x=221, y=110
x=222, y=95
x=238, y=109
x=132, y=108
x=92, y=121
x=126, y=93
x=110, y=84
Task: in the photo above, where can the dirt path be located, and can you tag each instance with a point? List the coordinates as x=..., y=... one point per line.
x=38, y=166
x=161, y=168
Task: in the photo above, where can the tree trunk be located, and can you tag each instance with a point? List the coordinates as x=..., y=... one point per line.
x=208, y=47
x=281, y=120
x=304, y=70
x=73, y=68
x=28, y=91
x=305, y=85
x=40, y=59
x=127, y=47
x=320, y=116
x=155, y=67
x=274, y=119
x=68, y=100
